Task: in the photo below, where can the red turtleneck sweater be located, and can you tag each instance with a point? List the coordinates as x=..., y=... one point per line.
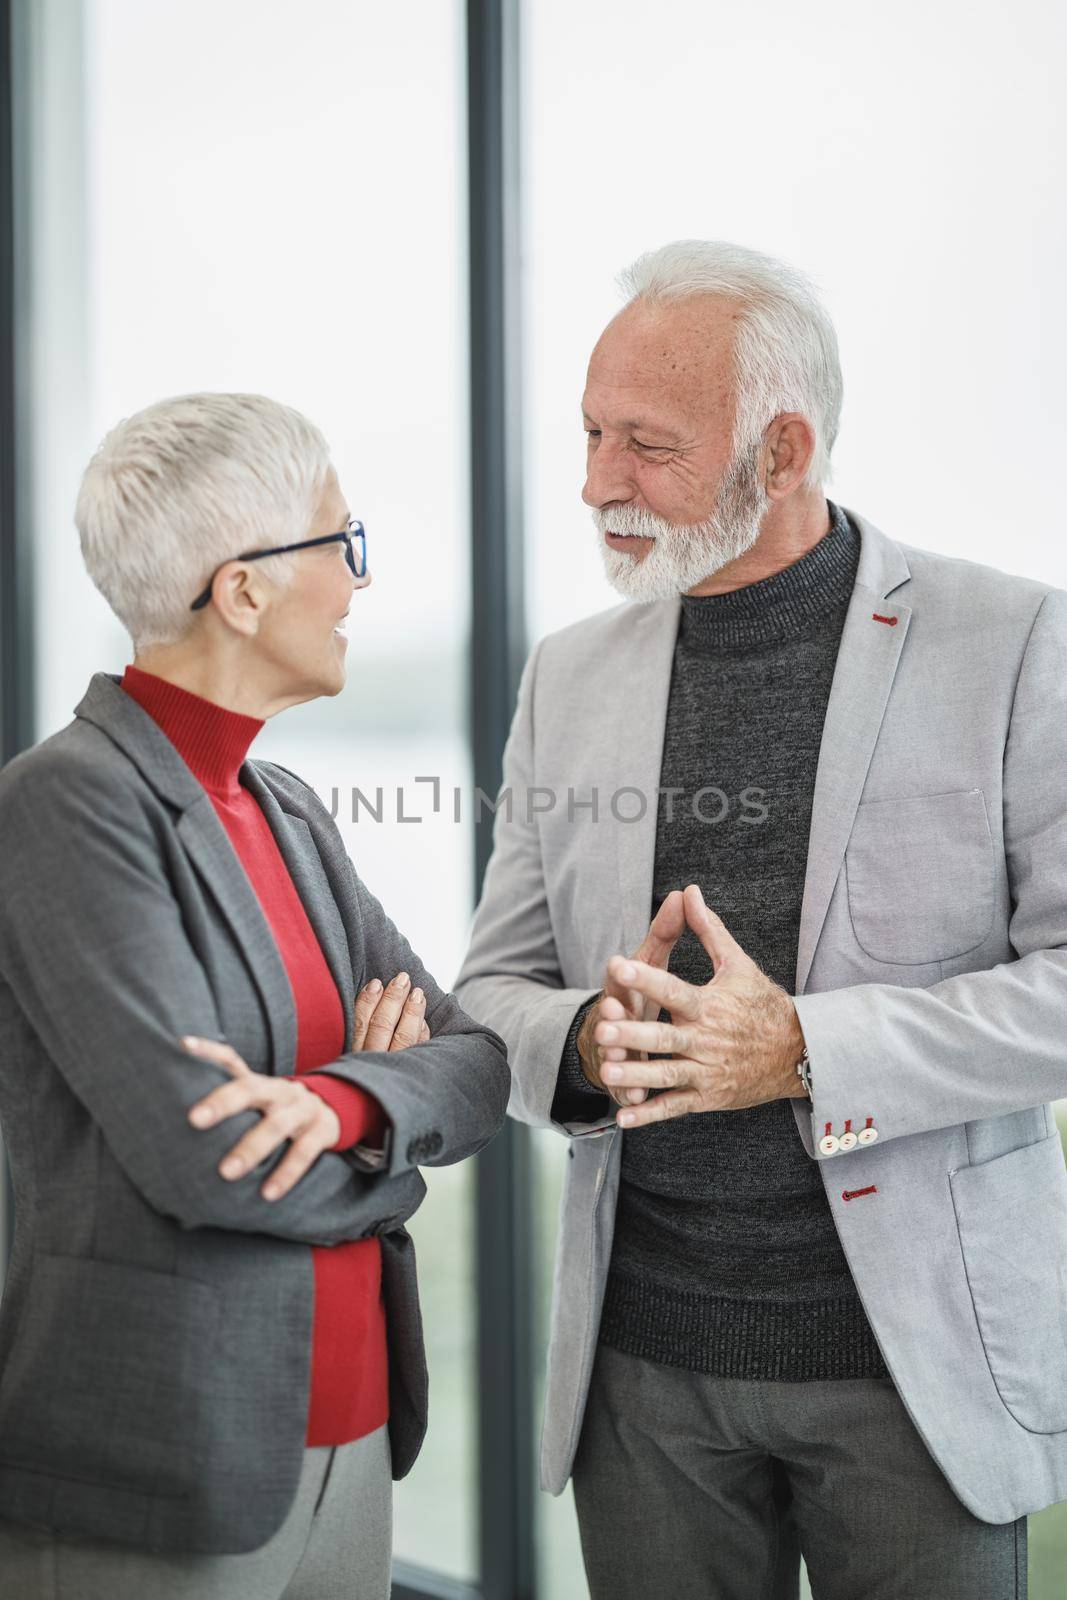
x=349, y=1366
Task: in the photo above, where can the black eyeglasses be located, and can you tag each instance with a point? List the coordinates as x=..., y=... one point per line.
x=352, y=535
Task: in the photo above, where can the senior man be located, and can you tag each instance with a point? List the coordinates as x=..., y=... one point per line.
x=811, y=1293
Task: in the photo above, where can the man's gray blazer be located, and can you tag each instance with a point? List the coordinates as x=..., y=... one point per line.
x=931, y=976
x=156, y=1321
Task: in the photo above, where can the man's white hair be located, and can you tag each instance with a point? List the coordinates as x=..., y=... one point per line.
x=185, y=485
x=786, y=348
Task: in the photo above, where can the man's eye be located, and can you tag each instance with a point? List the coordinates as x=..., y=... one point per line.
x=641, y=445
x=592, y=433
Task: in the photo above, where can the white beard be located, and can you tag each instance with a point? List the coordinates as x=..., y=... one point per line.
x=684, y=554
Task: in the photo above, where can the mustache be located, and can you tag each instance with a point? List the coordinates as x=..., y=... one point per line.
x=631, y=521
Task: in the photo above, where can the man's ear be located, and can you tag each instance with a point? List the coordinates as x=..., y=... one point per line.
x=789, y=451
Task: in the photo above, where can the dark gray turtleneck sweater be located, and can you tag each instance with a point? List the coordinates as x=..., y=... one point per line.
x=726, y=1259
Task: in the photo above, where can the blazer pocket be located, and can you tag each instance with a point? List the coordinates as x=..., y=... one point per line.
x=1012, y=1219
x=109, y=1380
x=920, y=876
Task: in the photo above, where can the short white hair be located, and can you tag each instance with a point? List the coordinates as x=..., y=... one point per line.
x=785, y=349
x=185, y=485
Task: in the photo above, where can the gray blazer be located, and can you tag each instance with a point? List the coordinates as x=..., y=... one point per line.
x=931, y=976
x=156, y=1320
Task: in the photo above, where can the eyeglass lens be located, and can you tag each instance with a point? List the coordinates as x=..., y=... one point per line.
x=357, y=557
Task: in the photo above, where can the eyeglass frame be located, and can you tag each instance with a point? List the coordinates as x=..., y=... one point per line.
x=355, y=530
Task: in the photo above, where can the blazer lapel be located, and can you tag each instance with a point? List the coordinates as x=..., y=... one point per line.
x=302, y=858
x=863, y=677
x=106, y=704
x=209, y=848
x=640, y=723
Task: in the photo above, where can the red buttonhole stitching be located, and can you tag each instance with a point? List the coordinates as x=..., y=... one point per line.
x=829, y=1128
x=869, y=1121
x=892, y=621
x=848, y=1125
x=854, y=1194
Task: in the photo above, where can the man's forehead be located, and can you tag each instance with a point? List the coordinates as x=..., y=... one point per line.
x=653, y=356
x=700, y=325
x=629, y=418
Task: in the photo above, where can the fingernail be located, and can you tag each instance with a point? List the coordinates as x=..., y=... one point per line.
x=606, y=1032
x=402, y=980
x=271, y=1192
x=373, y=987
x=627, y=972
x=611, y=1074
x=190, y=1040
x=626, y=1118
x=418, y=996
x=230, y=1169
x=201, y=1116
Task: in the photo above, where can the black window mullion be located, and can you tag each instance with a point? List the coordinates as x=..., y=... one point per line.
x=505, y=1249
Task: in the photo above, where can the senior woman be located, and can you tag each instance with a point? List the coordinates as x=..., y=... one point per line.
x=211, y=1362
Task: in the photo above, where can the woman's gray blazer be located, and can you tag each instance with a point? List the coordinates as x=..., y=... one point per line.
x=155, y=1331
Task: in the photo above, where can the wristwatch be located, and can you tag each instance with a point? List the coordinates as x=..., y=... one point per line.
x=804, y=1073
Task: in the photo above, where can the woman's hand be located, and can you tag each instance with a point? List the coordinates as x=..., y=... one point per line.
x=384, y=1019
x=391, y=1018
x=290, y=1111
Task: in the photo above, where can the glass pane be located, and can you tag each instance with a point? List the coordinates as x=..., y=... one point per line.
x=1047, y=1531
x=269, y=196
x=560, y=1574
x=420, y=865
x=928, y=223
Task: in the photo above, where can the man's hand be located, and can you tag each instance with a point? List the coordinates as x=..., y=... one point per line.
x=392, y=1018
x=734, y=1042
x=618, y=1002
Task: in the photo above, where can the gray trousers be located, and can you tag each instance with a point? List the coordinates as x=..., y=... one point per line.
x=335, y=1544
x=693, y=1486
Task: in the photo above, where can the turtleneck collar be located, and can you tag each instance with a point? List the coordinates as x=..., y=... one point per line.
x=212, y=741
x=783, y=606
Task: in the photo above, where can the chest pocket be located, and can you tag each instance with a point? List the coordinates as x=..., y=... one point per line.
x=920, y=876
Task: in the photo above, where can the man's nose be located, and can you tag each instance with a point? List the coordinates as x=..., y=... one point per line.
x=607, y=477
